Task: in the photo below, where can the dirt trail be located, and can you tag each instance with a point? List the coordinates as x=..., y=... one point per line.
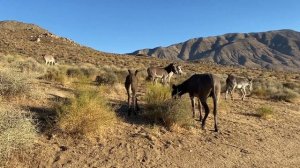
x=244, y=140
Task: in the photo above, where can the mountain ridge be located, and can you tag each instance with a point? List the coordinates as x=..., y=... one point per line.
x=276, y=49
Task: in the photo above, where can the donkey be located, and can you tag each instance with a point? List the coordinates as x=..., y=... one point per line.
x=241, y=83
x=49, y=59
x=201, y=86
x=131, y=85
x=164, y=74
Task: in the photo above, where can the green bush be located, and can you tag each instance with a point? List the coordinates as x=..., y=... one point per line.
x=17, y=131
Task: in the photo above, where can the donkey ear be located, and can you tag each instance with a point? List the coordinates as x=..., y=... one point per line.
x=136, y=72
x=129, y=71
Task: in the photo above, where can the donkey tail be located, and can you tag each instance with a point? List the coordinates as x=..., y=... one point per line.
x=215, y=96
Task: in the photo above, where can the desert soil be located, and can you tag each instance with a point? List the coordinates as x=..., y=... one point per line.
x=244, y=140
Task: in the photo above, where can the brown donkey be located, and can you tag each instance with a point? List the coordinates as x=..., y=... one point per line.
x=131, y=85
x=201, y=86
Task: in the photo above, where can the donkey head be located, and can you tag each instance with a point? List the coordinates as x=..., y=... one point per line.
x=175, y=91
x=171, y=68
x=131, y=72
x=179, y=69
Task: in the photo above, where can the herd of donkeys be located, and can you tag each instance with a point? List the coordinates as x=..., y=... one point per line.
x=199, y=86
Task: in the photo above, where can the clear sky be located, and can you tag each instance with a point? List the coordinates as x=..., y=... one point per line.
x=122, y=26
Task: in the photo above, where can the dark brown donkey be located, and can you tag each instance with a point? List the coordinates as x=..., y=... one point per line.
x=201, y=86
x=131, y=85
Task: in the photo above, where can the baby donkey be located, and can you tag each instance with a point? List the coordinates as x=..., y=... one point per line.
x=131, y=85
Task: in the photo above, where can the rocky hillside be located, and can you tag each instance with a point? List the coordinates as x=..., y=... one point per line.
x=278, y=50
x=32, y=40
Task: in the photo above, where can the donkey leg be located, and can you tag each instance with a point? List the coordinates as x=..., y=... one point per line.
x=231, y=92
x=206, y=113
x=226, y=93
x=129, y=108
x=134, y=104
x=242, y=91
x=193, y=105
x=200, y=109
x=215, y=100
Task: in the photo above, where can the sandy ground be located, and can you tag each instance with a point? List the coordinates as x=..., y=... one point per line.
x=244, y=140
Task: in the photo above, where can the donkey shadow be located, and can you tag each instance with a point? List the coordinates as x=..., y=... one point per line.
x=121, y=109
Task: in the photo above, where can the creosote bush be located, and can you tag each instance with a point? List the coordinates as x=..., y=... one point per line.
x=108, y=78
x=57, y=74
x=14, y=84
x=88, y=114
x=265, y=112
x=275, y=90
x=17, y=132
x=162, y=109
x=29, y=65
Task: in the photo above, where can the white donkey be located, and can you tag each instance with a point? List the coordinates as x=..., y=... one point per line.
x=49, y=59
x=241, y=83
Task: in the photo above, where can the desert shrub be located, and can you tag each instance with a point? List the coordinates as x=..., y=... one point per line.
x=17, y=132
x=265, y=112
x=79, y=72
x=108, y=78
x=14, y=84
x=74, y=72
x=87, y=114
x=275, y=90
x=55, y=74
x=162, y=109
x=88, y=71
x=29, y=65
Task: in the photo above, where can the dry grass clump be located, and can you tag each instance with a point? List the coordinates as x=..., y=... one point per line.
x=56, y=74
x=275, y=90
x=79, y=72
x=162, y=109
x=88, y=114
x=14, y=84
x=108, y=78
x=17, y=132
x=265, y=112
x=29, y=65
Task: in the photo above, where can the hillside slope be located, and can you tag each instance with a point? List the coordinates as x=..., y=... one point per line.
x=32, y=40
x=278, y=50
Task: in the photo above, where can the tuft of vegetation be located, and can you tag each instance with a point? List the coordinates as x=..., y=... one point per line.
x=56, y=74
x=108, y=78
x=265, y=112
x=276, y=91
x=17, y=131
x=29, y=65
x=14, y=84
x=88, y=114
x=162, y=109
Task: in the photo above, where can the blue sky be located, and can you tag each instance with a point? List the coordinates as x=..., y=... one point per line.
x=122, y=26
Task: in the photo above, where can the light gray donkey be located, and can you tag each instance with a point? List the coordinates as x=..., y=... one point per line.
x=165, y=74
x=241, y=83
x=49, y=59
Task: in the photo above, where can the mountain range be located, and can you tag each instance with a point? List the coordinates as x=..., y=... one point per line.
x=277, y=50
